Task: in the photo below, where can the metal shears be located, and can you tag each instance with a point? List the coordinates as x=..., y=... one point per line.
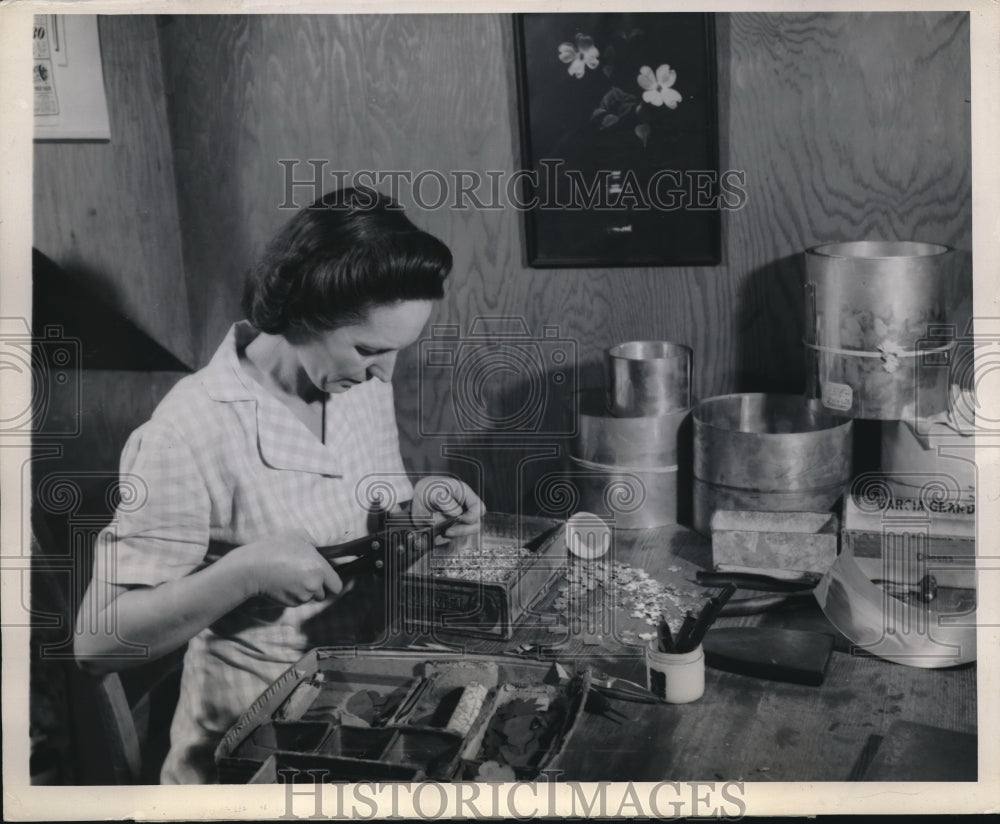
x=396, y=546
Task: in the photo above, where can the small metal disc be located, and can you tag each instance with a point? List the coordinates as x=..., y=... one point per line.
x=587, y=536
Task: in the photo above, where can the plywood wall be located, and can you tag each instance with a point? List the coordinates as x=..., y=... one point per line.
x=848, y=126
x=107, y=212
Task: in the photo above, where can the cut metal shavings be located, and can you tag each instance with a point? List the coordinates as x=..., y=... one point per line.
x=595, y=588
x=489, y=562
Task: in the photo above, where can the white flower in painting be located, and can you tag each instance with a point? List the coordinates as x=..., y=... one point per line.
x=656, y=89
x=581, y=56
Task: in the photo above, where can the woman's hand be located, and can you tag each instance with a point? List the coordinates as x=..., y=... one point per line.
x=286, y=568
x=438, y=497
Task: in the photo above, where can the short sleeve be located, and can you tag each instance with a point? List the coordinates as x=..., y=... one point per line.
x=160, y=530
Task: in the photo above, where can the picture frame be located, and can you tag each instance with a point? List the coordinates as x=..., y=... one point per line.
x=618, y=119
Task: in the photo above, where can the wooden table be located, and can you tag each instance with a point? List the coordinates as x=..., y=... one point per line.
x=743, y=728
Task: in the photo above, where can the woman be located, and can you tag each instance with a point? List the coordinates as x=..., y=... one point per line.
x=273, y=447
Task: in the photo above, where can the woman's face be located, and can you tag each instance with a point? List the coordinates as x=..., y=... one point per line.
x=341, y=358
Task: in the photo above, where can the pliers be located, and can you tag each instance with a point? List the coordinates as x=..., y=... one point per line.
x=599, y=704
x=612, y=687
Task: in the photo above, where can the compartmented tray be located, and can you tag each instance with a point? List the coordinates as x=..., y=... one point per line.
x=483, y=586
x=397, y=716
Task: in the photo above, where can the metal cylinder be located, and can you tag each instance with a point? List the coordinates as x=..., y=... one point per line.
x=920, y=466
x=765, y=452
x=871, y=307
x=627, y=441
x=649, y=377
x=627, y=497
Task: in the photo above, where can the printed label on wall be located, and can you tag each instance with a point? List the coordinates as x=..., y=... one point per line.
x=838, y=396
x=46, y=102
x=70, y=103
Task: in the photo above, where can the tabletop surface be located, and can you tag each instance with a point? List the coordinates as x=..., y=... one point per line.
x=914, y=724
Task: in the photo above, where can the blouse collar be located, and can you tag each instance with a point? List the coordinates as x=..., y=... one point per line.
x=283, y=440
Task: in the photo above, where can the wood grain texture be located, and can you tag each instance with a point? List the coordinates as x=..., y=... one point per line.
x=107, y=212
x=742, y=728
x=209, y=122
x=110, y=405
x=848, y=126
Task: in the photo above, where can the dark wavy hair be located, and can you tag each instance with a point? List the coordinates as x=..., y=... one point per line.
x=351, y=250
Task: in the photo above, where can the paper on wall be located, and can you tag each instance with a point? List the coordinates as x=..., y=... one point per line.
x=70, y=103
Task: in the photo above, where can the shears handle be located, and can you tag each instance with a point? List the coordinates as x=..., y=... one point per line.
x=777, y=580
x=373, y=552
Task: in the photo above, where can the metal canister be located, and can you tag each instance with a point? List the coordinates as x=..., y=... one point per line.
x=876, y=315
x=649, y=377
x=780, y=453
x=639, y=441
x=626, y=469
x=627, y=497
x=919, y=465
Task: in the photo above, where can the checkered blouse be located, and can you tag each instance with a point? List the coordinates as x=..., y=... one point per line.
x=222, y=459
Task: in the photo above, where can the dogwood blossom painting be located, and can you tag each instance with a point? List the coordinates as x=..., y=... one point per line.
x=619, y=139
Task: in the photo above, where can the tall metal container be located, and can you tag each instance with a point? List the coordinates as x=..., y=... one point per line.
x=630, y=497
x=871, y=308
x=625, y=469
x=649, y=377
x=778, y=453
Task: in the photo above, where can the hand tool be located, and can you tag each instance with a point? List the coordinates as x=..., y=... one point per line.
x=767, y=603
x=621, y=688
x=791, y=588
x=796, y=588
x=407, y=704
x=681, y=639
x=372, y=553
x=924, y=590
x=664, y=639
x=764, y=580
x=707, y=617
x=599, y=704
x=609, y=685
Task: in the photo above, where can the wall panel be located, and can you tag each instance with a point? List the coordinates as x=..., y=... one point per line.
x=107, y=212
x=847, y=126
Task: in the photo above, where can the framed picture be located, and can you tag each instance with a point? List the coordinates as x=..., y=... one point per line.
x=619, y=139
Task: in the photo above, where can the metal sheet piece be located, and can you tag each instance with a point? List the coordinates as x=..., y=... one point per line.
x=905, y=632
